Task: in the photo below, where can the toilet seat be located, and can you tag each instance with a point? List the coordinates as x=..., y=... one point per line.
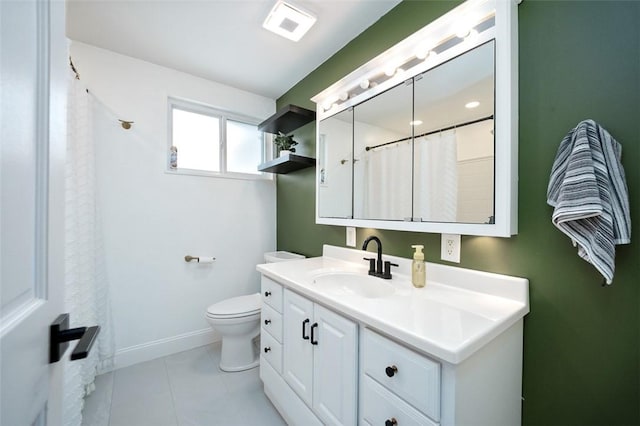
x=236, y=307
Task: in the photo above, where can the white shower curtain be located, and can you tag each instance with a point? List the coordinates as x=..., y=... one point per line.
x=86, y=286
x=387, y=182
x=436, y=177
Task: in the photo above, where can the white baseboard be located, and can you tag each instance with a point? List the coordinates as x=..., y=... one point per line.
x=163, y=347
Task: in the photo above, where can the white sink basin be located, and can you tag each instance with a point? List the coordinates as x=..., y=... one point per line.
x=345, y=283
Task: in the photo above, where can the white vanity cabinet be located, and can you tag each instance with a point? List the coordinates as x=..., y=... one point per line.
x=444, y=355
x=320, y=359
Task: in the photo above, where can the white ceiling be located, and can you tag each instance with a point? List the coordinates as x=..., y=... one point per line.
x=222, y=40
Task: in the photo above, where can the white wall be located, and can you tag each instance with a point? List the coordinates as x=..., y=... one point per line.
x=152, y=219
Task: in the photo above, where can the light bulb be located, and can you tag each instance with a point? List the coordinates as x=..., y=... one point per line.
x=423, y=51
x=364, y=84
x=344, y=96
x=390, y=71
x=463, y=30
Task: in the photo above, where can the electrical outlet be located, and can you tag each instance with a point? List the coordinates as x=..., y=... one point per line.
x=351, y=236
x=450, y=247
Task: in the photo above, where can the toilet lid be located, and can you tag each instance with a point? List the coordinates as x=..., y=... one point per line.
x=236, y=306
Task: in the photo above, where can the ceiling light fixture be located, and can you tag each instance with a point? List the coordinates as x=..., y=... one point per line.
x=289, y=21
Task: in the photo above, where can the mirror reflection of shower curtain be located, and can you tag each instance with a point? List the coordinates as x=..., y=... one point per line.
x=436, y=177
x=387, y=182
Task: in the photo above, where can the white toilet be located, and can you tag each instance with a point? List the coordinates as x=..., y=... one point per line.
x=238, y=322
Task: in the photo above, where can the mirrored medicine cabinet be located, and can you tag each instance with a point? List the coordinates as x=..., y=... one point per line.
x=424, y=137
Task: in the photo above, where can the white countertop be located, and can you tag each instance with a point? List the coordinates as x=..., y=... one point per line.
x=455, y=314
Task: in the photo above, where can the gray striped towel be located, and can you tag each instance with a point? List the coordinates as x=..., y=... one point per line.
x=588, y=191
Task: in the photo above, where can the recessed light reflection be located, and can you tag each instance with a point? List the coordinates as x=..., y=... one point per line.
x=472, y=104
x=415, y=123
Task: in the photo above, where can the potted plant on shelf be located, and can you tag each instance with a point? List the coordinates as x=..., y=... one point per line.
x=284, y=144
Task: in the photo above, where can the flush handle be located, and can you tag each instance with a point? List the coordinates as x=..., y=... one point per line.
x=60, y=335
x=391, y=370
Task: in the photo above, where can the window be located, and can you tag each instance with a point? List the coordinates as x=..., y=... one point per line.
x=212, y=142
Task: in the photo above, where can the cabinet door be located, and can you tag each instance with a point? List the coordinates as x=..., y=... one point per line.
x=335, y=367
x=298, y=352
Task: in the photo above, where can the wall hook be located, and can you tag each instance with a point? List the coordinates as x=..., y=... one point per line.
x=126, y=124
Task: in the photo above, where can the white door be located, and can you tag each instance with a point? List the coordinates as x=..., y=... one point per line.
x=335, y=364
x=297, y=348
x=33, y=56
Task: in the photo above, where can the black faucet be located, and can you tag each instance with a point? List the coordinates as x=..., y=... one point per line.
x=375, y=265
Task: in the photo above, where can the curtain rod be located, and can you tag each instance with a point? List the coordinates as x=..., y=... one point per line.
x=124, y=123
x=455, y=126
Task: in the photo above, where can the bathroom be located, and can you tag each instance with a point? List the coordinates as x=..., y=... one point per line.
x=577, y=60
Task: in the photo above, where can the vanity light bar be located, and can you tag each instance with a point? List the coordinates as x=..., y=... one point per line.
x=414, y=55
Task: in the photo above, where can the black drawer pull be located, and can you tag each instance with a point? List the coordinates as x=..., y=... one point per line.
x=267, y=322
x=304, y=331
x=391, y=370
x=313, y=342
x=267, y=349
x=267, y=293
x=391, y=422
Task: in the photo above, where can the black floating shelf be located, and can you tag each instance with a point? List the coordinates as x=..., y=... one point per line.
x=287, y=119
x=287, y=163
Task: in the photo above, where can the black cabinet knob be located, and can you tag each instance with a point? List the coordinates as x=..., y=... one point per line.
x=267, y=293
x=391, y=422
x=267, y=322
x=391, y=370
x=267, y=349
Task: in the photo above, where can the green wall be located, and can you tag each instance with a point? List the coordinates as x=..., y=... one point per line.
x=578, y=60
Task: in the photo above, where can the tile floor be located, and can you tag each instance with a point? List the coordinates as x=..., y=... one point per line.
x=184, y=389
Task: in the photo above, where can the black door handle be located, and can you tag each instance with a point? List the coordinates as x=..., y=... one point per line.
x=313, y=342
x=304, y=334
x=60, y=334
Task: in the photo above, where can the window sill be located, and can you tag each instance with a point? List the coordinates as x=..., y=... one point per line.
x=237, y=176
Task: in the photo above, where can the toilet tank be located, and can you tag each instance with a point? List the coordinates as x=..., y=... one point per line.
x=281, y=256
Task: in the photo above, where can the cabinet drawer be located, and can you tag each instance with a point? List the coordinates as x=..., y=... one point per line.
x=272, y=293
x=379, y=405
x=272, y=322
x=414, y=378
x=271, y=350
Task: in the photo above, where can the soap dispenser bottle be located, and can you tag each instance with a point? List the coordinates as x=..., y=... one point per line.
x=418, y=275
